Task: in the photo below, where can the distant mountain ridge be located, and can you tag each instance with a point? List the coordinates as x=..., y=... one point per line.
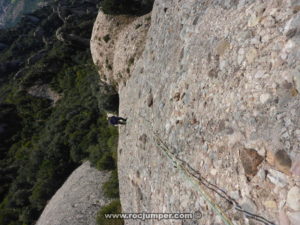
x=12, y=10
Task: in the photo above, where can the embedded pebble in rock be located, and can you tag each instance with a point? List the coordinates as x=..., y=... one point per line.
x=296, y=168
x=294, y=217
x=250, y=160
x=283, y=218
x=251, y=55
x=235, y=195
x=297, y=133
x=213, y=172
x=222, y=46
x=282, y=161
x=297, y=79
x=241, y=55
x=270, y=204
x=261, y=174
x=292, y=25
x=264, y=98
x=277, y=178
x=249, y=205
x=253, y=21
x=271, y=158
x=293, y=198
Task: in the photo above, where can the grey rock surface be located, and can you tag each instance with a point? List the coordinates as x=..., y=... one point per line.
x=78, y=200
x=116, y=43
x=223, y=76
x=293, y=198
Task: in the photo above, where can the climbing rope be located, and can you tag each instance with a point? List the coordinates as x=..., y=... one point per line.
x=200, y=183
x=178, y=164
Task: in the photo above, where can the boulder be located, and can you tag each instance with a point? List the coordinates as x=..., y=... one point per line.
x=78, y=200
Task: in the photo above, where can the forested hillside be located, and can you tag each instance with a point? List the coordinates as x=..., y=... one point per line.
x=53, y=106
x=43, y=139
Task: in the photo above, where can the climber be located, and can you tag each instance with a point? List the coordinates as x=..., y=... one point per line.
x=115, y=120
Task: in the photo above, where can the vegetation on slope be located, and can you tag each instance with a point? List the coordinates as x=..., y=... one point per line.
x=132, y=7
x=41, y=143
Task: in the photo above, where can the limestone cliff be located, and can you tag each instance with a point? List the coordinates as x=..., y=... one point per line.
x=217, y=85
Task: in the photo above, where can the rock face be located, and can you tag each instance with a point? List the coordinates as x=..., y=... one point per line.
x=12, y=11
x=214, y=78
x=6, y=10
x=44, y=91
x=116, y=43
x=78, y=200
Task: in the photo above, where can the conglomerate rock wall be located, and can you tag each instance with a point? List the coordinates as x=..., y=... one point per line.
x=218, y=84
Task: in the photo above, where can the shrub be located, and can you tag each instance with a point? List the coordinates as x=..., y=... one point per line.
x=131, y=7
x=7, y=216
x=106, y=162
x=94, y=154
x=112, y=208
x=20, y=197
x=43, y=143
x=111, y=187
